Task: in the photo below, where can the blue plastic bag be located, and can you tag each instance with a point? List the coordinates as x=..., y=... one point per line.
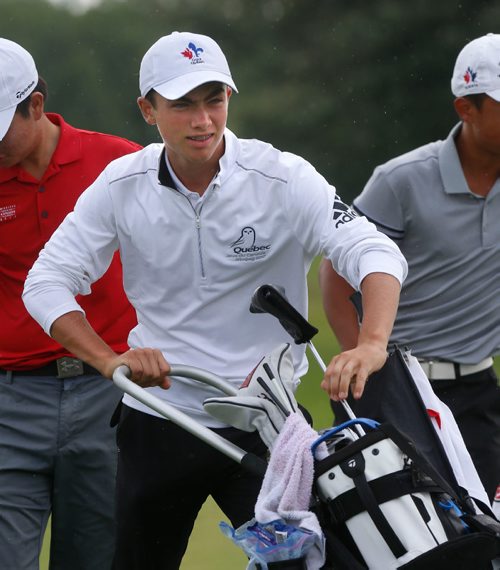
x=270, y=542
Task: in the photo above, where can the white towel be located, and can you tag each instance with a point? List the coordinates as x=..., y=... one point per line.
x=286, y=490
x=447, y=429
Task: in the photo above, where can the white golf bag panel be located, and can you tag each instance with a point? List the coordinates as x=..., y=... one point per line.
x=418, y=528
x=381, y=498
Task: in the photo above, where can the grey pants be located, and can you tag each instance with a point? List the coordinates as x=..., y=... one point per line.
x=57, y=457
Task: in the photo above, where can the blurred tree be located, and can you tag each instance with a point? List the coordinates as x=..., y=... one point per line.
x=345, y=83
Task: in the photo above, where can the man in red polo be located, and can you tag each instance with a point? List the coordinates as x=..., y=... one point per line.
x=57, y=451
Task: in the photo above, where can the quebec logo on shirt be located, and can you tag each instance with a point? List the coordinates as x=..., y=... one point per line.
x=342, y=213
x=246, y=247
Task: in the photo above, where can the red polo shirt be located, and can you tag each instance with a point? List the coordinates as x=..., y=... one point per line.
x=30, y=211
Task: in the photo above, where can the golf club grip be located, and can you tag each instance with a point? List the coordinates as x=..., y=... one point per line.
x=268, y=299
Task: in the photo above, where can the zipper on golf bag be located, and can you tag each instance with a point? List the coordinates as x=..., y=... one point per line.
x=383, y=506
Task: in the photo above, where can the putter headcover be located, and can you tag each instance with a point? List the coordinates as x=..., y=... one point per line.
x=264, y=400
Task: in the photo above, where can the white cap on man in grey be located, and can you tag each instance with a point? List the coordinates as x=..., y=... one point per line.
x=477, y=69
x=180, y=62
x=18, y=78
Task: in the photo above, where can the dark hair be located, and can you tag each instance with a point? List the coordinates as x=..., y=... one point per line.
x=41, y=87
x=477, y=99
x=151, y=97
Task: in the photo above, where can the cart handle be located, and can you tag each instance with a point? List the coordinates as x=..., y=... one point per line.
x=247, y=460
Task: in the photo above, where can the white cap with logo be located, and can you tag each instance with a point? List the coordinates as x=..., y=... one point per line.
x=18, y=78
x=180, y=62
x=477, y=69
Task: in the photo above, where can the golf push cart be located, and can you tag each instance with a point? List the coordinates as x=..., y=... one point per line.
x=377, y=498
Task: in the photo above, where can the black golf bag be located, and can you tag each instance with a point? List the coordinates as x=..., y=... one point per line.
x=390, y=499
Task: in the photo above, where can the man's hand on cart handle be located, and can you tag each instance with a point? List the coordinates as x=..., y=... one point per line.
x=147, y=366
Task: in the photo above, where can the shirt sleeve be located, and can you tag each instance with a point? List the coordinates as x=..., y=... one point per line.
x=78, y=253
x=325, y=225
x=380, y=204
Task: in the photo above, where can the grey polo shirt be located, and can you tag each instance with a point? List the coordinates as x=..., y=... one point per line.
x=450, y=302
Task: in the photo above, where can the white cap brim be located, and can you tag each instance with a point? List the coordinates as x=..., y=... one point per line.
x=494, y=94
x=6, y=117
x=178, y=87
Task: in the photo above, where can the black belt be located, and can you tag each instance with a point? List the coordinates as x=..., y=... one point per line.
x=65, y=367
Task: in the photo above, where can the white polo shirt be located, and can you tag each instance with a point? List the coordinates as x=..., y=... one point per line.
x=190, y=269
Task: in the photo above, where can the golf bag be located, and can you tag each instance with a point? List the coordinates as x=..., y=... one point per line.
x=380, y=502
x=402, y=407
x=382, y=505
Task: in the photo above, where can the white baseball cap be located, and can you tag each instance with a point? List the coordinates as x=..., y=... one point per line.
x=18, y=78
x=180, y=62
x=477, y=69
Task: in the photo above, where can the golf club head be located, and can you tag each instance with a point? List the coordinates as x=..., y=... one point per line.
x=271, y=299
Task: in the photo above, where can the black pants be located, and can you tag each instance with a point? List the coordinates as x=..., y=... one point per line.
x=164, y=476
x=475, y=403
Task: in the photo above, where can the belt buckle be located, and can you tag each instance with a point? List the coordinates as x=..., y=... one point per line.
x=67, y=367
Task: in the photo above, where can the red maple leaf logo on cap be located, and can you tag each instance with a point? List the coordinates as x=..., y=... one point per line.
x=470, y=75
x=187, y=53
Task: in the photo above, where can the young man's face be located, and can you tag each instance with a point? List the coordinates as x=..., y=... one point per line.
x=191, y=127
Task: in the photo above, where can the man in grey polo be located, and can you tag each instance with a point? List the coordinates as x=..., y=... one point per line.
x=441, y=204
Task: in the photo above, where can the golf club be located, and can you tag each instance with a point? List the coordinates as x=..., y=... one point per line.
x=271, y=299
